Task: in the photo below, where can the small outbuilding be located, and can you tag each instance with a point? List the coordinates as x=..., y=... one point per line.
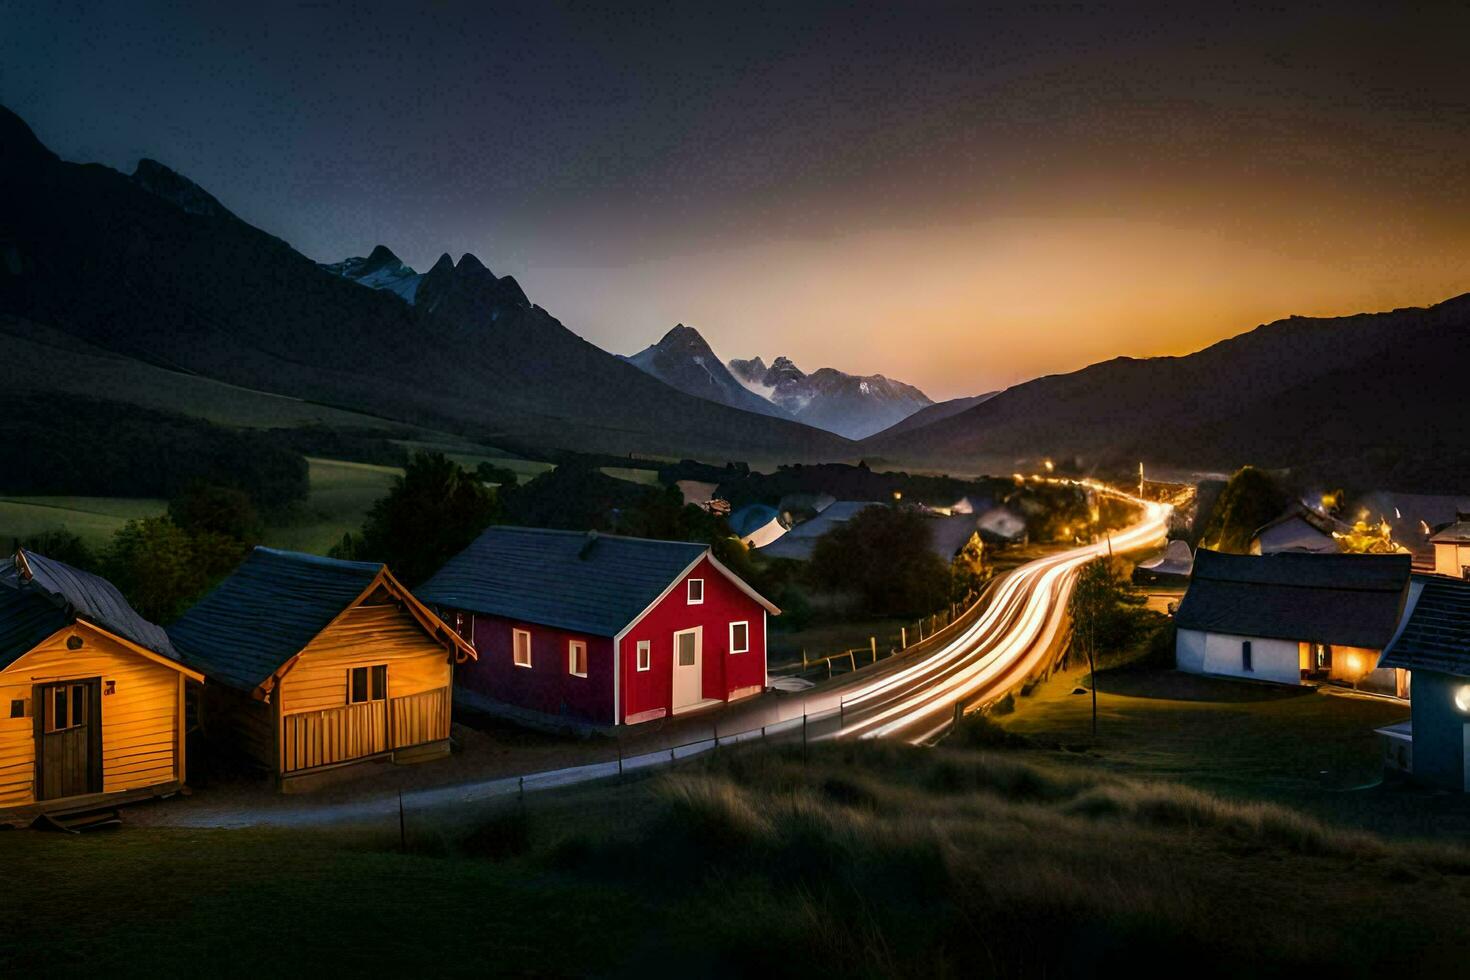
x=1293, y=617
x=316, y=663
x=92, y=694
x=602, y=628
x=1433, y=645
x=1452, y=548
x=800, y=542
x=1300, y=530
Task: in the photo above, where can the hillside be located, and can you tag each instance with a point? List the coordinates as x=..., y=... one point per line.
x=1370, y=398
x=935, y=412
x=152, y=268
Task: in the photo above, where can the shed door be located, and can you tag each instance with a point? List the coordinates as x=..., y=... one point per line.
x=68, y=739
x=688, y=670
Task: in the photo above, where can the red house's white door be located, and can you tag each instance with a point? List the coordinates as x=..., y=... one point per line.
x=688, y=669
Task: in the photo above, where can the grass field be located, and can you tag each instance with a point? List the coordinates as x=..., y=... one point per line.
x=855, y=859
x=94, y=519
x=1308, y=749
x=341, y=493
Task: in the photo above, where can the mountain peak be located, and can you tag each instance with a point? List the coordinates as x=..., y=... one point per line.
x=445, y=264
x=468, y=262
x=161, y=181
x=380, y=256
x=19, y=147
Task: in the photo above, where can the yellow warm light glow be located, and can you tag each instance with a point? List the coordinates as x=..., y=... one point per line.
x=1462, y=698
x=1049, y=465
x=1354, y=663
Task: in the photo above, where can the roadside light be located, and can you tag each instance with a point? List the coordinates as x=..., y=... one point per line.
x=898, y=495
x=1048, y=464
x=1462, y=698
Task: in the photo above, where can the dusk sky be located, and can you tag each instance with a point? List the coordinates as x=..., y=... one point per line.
x=957, y=197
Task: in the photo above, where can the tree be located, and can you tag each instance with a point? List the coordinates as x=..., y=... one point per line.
x=162, y=569
x=1105, y=613
x=63, y=546
x=967, y=570
x=1251, y=498
x=220, y=510
x=1092, y=596
x=431, y=513
x=500, y=476
x=884, y=556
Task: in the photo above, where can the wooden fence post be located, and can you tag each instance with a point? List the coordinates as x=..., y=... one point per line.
x=803, y=658
x=873, y=645
x=903, y=638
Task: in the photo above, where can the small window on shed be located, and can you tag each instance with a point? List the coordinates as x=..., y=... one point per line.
x=739, y=637
x=521, y=647
x=645, y=654
x=18, y=708
x=577, y=658
x=696, y=591
x=367, y=684
x=1245, y=656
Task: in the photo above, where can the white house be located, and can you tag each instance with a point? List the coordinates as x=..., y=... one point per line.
x=1293, y=618
x=1300, y=529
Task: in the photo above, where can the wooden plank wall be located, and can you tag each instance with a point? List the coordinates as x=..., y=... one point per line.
x=365, y=636
x=420, y=718
x=320, y=738
x=319, y=727
x=140, y=721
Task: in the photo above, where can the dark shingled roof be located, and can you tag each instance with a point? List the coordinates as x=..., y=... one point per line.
x=273, y=605
x=1436, y=631
x=71, y=594
x=1352, y=600
x=589, y=583
x=26, y=618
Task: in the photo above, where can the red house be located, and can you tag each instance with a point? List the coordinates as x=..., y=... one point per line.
x=600, y=627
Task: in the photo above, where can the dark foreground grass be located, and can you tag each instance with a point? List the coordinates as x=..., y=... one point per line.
x=856, y=859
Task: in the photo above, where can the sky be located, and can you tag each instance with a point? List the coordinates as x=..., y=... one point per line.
x=961, y=196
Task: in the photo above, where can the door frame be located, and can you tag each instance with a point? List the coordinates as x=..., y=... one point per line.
x=94, y=733
x=698, y=633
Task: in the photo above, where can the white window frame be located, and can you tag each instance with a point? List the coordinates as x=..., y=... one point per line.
x=746, y=624
x=643, y=656
x=515, y=647
x=689, y=592
x=572, y=647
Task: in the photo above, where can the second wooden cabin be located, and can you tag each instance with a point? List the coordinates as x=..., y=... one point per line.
x=316, y=663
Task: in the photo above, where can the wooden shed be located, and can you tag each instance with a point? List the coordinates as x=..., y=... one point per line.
x=316, y=663
x=91, y=694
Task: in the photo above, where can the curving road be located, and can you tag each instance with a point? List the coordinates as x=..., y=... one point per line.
x=990, y=653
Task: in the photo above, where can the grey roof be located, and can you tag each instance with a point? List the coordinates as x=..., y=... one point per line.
x=1353, y=600
x=76, y=594
x=751, y=517
x=1436, y=630
x=799, y=542
x=1456, y=532
x=271, y=607
x=585, y=582
x=26, y=618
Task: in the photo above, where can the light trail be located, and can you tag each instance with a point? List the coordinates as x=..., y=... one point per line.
x=1010, y=639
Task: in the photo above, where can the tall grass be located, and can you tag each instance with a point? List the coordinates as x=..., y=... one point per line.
x=883, y=860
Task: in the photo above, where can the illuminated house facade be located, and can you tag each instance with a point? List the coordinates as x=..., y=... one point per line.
x=601, y=628
x=1452, y=549
x=1294, y=618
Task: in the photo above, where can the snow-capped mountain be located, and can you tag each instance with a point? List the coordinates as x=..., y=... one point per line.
x=683, y=360
x=850, y=405
x=380, y=270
